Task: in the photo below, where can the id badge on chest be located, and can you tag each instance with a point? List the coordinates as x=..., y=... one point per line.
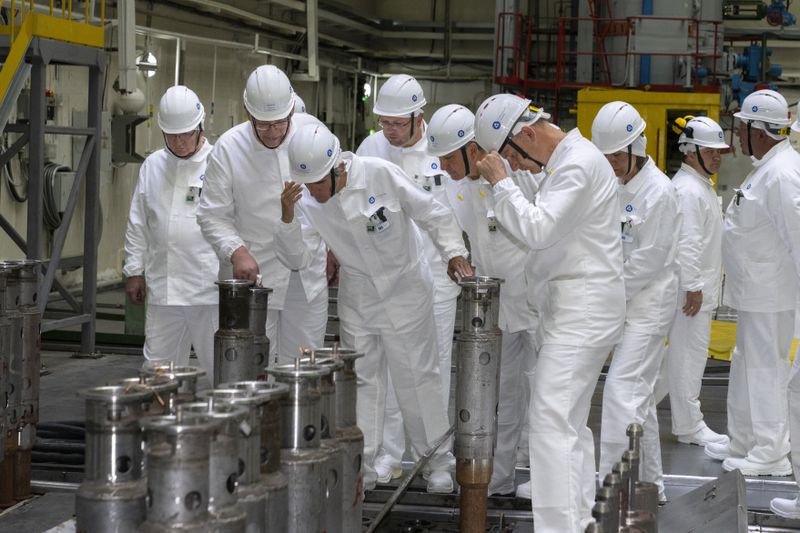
x=378, y=222
x=491, y=220
x=627, y=237
x=193, y=193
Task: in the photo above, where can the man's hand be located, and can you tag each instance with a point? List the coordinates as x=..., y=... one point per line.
x=458, y=267
x=136, y=289
x=693, y=302
x=292, y=192
x=244, y=265
x=492, y=168
x=332, y=270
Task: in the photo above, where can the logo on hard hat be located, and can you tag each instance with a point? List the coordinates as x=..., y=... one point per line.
x=496, y=124
x=434, y=166
x=198, y=105
x=432, y=140
x=755, y=109
x=371, y=199
x=460, y=133
x=413, y=97
x=330, y=152
x=629, y=127
x=303, y=166
x=720, y=135
x=629, y=208
x=202, y=177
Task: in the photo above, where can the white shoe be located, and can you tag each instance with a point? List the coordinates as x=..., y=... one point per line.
x=369, y=480
x=720, y=452
x=785, y=507
x=704, y=436
x=440, y=482
x=524, y=491
x=781, y=467
x=387, y=468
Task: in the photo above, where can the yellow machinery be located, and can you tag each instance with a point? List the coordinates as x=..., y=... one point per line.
x=658, y=109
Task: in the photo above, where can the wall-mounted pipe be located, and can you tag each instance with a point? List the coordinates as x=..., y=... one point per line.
x=644, y=61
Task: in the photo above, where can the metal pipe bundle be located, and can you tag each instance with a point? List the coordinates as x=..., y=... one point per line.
x=226, y=515
x=114, y=489
x=186, y=376
x=233, y=341
x=275, y=482
x=348, y=434
x=303, y=461
x=13, y=399
x=177, y=449
x=477, y=389
x=259, y=299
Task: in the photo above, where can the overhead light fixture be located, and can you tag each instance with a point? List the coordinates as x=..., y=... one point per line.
x=367, y=90
x=146, y=61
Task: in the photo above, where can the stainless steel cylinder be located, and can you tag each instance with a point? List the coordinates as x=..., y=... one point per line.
x=186, y=376
x=163, y=387
x=224, y=465
x=623, y=472
x=178, y=457
x=601, y=512
x=114, y=489
x=307, y=472
x=610, y=491
x=642, y=520
x=233, y=341
x=259, y=299
x=301, y=409
x=9, y=298
x=646, y=497
x=272, y=477
x=480, y=304
x=5, y=354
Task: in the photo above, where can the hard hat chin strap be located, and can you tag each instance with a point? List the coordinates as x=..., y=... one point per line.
x=520, y=151
x=749, y=140
x=333, y=174
x=466, y=159
x=196, y=144
x=701, y=160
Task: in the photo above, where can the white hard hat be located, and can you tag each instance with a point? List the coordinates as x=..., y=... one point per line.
x=497, y=116
x=796, y=124
x=299, y=104
x=450, y=128
x=400, y=96
x=268, y=94
x=180, y=110
x=616, y=126
x=313, y=151
x=700, y=131
x=765, y=106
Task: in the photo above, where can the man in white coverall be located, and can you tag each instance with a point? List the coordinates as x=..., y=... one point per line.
x=495, y=252
x=240, y=209
x=650, y=225
x=166, y=256
x=363, y=208
x=575, y=271
x=790, y=508
x=700, y=273
x=760, y=256
x=399, y=107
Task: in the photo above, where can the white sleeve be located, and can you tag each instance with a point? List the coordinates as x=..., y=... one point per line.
x=216, y=211
x=136, y=232
x=784, y=210
x=690, y=242
x=655, y=242
x=293, y=242
x=558, y=212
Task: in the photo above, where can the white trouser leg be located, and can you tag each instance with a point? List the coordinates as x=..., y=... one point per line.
x=628, y=398
x=166, y=332
x=651, y=466
x=371, y=372
x=794, y=414
x=686, y=359
x=560, y=441
x=517, y=351
x=302, y=323
x=203, y=323
x=757, y=393
x=394, y=436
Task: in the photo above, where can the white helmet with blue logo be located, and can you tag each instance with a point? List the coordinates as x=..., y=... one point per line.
x=400, y=96
x=704, y=132
x=616, y=126
x=268, y=94
x=313, y=151
x=499, y=114
x=180, y=110
x=765, y=106
x=450, y=128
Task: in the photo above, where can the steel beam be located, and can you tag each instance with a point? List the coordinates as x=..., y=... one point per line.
x=37, y=114
x=14, y=149
x=84, y=319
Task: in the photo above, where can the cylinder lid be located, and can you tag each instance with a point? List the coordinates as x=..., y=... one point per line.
x=298, y=370
x=265, y=390
x=185, y=422
x=158, y=383
x=324, y=362
x=234, y=283
x=116, y=394
x=232, y=396
x=345, y=354
x=480, y=281
x=175, y=372
x=214, y=409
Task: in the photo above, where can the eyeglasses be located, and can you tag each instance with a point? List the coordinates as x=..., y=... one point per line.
x=394, y=124
x=183, y=137
x=267, y=126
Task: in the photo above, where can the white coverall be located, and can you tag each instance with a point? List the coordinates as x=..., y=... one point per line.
x=241, y=207
x=497, y=253
x=761, y=258
x=700, y=261
x=424, y=170
x=650, y=228
x=164, y=244
x=575, y=273
x=385, y=292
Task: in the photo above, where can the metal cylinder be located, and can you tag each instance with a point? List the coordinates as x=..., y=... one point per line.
x=301, y=409
x=480, y=304
x=610, y=492
x=163, y=387
x=306, y=470
x=114, y=489
x=273, y=479
x=5, y=354
x=631, y=457
x=186, y=376
x=259, y=299
x=623, y=472
x=642, y=520
x=178, y=448
x=477, y=392
x=602, y=513
x=233, y=341
x=13, y=382
x=224, y=465
x=646, y=497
